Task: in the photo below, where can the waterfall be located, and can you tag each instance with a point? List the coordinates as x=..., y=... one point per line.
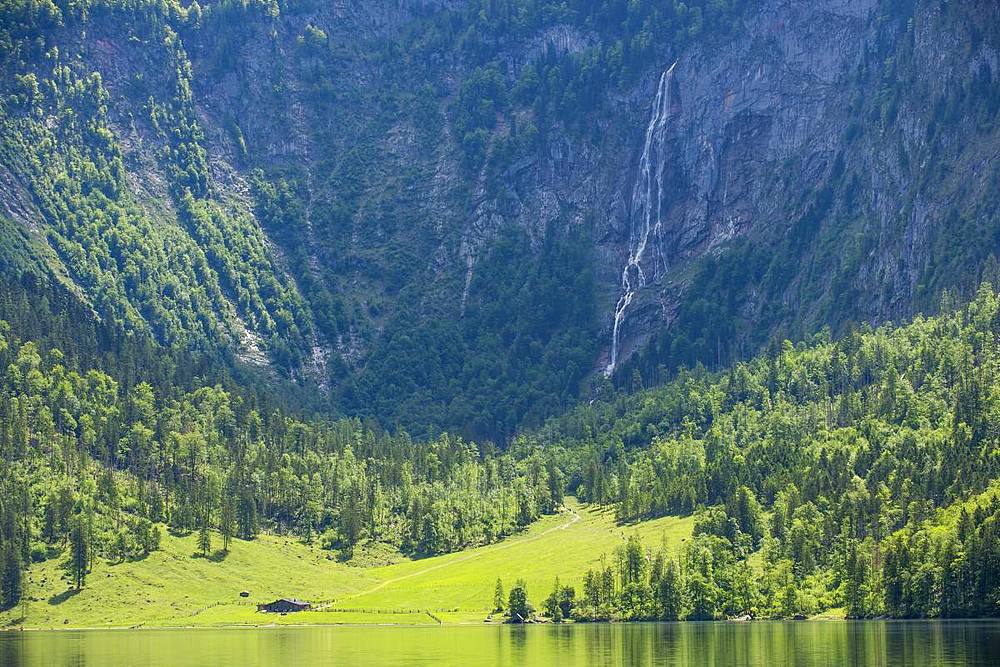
x=645, y=215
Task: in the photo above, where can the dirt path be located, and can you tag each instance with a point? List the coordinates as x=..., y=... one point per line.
x=475, y=554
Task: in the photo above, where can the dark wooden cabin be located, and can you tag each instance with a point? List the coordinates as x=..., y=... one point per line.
x=284, y=606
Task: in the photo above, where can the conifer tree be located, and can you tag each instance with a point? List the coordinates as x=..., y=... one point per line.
x=498, y=601
x=671, y=593
x=11, y=576
x=552, y=608
x=79, y=552
x=226, y=519
x=204, y=539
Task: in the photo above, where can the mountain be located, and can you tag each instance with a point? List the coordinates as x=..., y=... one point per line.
x=461, y=215
x=392, y=279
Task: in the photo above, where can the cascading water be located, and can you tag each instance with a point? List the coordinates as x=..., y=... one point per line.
x=645, y=216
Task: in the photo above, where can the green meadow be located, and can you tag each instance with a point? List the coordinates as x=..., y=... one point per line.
x=176, y=587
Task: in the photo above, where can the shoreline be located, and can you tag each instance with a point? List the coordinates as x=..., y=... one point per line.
x=274, y=626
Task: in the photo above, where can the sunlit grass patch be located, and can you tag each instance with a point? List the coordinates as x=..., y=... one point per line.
x=175, y=587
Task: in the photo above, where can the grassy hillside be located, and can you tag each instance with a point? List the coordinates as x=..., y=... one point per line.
x=175, y=587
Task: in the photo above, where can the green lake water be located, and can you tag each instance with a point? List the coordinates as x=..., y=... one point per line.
x=803, y=644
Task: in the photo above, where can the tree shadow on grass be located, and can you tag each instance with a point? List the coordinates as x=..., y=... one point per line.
x=134, y=558
x=59, y=598
x=12, y=623
x=218, y=555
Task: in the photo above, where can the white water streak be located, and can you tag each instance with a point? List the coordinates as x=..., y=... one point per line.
x=645, y=217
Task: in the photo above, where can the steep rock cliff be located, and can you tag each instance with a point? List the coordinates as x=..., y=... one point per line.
x=380, y=208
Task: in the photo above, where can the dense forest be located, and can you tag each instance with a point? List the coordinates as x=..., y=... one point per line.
x=94, y=468
x=183, y=288
x=858, y=473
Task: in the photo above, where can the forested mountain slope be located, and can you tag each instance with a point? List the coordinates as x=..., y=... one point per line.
x=439, y=212
x=94, y=469
x=858, y=475
x=864, y=472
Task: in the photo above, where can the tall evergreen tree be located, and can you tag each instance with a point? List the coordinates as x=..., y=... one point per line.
x=79, y=551
x=671, y=593
x=498, y=597
x=11, y=575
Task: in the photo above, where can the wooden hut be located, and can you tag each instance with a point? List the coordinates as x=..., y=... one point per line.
x=284, y=606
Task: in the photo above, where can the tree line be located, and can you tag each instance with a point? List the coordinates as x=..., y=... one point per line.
x=96, y=469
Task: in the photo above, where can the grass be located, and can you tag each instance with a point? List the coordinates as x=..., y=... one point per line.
x=172, y=587
x=832, y=614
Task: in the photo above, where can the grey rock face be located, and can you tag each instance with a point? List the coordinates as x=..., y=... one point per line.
x=758, y=124
x=836, y=141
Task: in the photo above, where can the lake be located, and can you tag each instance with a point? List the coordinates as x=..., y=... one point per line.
x=802, y=644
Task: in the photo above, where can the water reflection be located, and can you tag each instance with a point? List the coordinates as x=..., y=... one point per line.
x=710, y=644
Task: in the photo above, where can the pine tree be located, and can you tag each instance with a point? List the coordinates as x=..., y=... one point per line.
x=79, y=552
x=247, y=517
x=854, y=581
x=227, y=519
x=671, y=596
x=204, y=539
x=518, y=609
x=552, y=608
x=11, y=577
x=498, y=601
